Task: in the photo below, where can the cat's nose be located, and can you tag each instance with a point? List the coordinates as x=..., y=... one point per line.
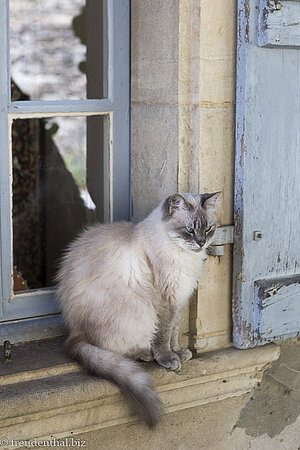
x=201, y=242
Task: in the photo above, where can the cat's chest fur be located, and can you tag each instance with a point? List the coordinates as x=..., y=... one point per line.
x=178, y=274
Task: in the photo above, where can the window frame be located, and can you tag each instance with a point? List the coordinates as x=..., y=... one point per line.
x=116, y=109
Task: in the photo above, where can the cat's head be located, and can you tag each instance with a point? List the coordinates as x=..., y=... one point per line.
x=191, y=220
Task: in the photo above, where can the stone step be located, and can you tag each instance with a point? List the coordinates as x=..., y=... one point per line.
x=66, y=404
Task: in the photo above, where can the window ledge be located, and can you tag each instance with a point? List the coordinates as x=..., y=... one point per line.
x=55, y=398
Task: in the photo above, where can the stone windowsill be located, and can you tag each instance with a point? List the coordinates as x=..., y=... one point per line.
x=47, y=395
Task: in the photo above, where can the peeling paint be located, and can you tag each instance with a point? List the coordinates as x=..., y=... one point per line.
x=243, y=149
x=276, y=308
x=247, y=14
x=264, y=17
x=279, y=24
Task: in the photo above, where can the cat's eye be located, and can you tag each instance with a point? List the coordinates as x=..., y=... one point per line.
x=207, y=229
x=189, y=229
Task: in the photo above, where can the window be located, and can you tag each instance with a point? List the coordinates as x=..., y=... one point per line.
x=64, y=130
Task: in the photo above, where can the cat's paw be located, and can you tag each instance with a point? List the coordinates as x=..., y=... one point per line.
x=169, y=360
x=184, y=354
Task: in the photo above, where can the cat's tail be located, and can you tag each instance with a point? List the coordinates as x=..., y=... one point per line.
x=125, y=373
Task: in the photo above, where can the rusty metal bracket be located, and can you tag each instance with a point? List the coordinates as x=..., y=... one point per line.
x=223, y=236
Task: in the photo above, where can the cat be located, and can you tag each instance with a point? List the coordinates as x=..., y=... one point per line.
x=123, y=287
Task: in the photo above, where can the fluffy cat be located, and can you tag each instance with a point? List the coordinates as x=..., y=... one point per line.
x=123, y=287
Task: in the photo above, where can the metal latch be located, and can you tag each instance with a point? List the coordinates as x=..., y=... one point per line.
x=223, y=236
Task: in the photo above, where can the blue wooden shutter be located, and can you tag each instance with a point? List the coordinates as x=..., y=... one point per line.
x=266, y=281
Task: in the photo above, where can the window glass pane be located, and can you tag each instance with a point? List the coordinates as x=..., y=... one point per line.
x=58, y=188
x=58, y=49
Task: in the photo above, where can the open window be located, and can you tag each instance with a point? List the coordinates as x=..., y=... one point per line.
x=64, y=130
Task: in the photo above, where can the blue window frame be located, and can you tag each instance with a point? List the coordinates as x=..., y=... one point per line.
x=17, y=307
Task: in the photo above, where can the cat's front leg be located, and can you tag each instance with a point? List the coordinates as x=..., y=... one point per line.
x=184, y=353
x=163, y=354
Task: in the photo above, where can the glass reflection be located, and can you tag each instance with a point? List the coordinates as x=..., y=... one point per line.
x=55, y=194
x=52, y=56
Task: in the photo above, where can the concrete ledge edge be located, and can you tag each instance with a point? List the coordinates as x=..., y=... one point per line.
x=214, y=377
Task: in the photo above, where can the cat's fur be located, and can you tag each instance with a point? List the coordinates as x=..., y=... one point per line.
x=123, y=287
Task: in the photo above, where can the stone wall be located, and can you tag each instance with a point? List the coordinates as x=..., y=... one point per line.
x=216, y=168
x=183, y=91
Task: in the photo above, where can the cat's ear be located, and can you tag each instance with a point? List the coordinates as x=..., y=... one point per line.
x=175, y=202
x=208, y=201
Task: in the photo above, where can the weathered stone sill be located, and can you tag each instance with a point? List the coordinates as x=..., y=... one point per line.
x=53, y=397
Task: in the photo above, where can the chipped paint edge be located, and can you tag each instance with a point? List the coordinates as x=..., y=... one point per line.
x=268, y=28
x=242, y=334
